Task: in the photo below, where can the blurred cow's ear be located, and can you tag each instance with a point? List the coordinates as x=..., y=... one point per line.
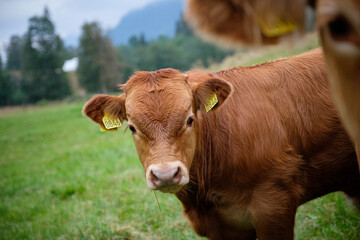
x=113, y=106
x=211, y=93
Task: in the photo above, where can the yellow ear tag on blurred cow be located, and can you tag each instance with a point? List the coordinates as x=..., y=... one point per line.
x=278, y=27
x=213, y=100
x=110, y=124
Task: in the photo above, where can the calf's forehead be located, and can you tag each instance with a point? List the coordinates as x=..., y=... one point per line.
x=161, y=109
x=170, y=96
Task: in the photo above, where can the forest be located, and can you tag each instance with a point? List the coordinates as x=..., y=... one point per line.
x=33, y=70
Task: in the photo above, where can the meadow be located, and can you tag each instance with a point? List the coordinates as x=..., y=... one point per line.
x=61, y=178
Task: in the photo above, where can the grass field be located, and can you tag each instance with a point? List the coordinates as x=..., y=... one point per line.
x=61, y=178
x=248, y=57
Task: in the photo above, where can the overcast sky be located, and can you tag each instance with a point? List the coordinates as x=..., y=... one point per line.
x=68, y=15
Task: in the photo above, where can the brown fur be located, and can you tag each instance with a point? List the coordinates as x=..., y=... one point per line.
x=237, y=21
x=338, y=22
x=274, y=142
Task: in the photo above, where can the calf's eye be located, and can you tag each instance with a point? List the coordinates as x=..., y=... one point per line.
x=132, y=129
x=190, y=121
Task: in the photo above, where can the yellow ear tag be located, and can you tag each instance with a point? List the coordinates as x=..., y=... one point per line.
x=103, y=129
x=213, y=100
x=277, y=28
x=110, y=124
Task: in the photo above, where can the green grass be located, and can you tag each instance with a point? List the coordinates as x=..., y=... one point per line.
x=248, y=57
x=61, y=178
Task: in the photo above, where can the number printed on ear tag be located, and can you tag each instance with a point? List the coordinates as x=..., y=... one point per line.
x=110, y=123
x=213, y=100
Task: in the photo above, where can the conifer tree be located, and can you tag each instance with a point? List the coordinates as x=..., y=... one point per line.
x=43, y=60
x=99, y=69
x=14, y=53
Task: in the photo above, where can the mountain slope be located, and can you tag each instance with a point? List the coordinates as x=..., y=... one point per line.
x=156, y=19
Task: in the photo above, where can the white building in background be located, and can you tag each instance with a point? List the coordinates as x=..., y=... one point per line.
x=71, y=65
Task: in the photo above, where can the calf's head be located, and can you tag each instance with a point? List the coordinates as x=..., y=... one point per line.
x=163, y=110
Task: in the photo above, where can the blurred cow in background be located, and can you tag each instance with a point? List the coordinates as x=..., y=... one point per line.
x=249, y=22
x=264, y=22
x=338, y=22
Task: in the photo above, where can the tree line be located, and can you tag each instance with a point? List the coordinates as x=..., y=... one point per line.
x=33, y=70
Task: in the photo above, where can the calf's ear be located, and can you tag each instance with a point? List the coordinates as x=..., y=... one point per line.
x=211, y=93
x=113, y=106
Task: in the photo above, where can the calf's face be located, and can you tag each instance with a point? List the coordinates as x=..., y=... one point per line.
x=162, y=125
x=163, y=110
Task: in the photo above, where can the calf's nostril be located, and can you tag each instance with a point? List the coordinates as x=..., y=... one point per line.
x=177, y=172
x=153, y=176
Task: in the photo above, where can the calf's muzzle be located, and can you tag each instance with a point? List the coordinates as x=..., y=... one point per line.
x=167, y=177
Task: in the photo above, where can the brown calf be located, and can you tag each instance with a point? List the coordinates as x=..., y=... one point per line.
x=256, y=22
x=272, y=142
